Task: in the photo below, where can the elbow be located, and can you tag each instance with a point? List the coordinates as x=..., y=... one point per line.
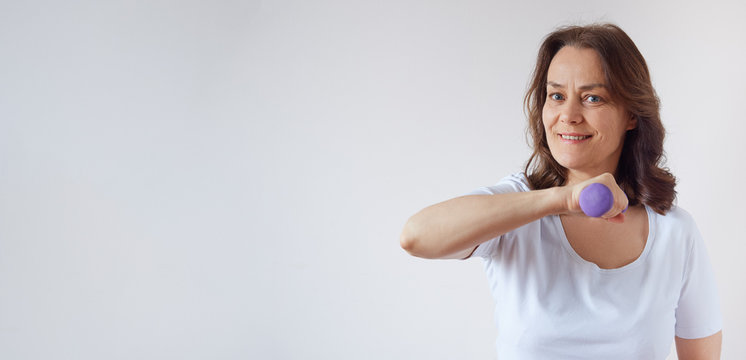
x=408, y=240
x=412, y=243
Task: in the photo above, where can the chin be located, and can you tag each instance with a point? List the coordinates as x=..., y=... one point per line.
x=569, y=162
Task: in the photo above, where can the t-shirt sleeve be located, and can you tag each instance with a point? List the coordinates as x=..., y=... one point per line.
x=698, y=312
x=512, y=183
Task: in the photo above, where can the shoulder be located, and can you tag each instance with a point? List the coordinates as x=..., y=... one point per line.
x=676, y=218
x=677, y=229
x=677, y=213
x=516, y=182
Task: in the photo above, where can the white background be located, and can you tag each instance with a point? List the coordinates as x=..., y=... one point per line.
x=228, y=179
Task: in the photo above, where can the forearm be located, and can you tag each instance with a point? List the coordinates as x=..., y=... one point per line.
x=465, y=222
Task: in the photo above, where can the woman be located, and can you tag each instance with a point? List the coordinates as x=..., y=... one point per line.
x=566, y=285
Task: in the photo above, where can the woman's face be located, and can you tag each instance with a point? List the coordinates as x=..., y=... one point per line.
x=584, y=129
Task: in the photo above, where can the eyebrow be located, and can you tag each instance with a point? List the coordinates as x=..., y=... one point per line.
x=583, y=87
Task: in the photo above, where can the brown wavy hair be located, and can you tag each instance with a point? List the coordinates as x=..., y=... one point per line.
x=640, y=172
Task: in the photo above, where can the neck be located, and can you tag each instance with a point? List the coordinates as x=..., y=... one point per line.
x=577, y=176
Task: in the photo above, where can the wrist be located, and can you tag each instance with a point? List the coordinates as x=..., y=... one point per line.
x=558, y=200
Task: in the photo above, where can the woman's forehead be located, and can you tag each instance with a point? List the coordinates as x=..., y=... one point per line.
x=576, y=67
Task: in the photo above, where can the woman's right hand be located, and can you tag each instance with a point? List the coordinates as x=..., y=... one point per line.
x=620, y=203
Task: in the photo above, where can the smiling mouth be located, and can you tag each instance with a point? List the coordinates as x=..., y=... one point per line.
x=574, y=137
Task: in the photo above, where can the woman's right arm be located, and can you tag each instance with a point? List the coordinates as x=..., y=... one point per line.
x=454, y=228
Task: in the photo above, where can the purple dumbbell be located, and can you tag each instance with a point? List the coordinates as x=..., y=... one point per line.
x=596, y=199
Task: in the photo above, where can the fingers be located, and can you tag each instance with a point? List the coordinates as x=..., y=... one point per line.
x=620, y=205
x=617, y=219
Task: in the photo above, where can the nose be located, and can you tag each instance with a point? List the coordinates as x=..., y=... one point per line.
x=571, y=113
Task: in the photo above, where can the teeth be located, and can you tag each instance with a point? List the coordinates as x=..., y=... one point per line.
x=568, y=137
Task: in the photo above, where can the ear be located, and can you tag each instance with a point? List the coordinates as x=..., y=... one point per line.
x=632, y=123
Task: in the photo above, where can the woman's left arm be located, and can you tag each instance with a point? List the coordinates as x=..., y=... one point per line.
x=705, y=348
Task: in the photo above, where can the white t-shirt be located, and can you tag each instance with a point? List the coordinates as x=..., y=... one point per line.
x=552, y=304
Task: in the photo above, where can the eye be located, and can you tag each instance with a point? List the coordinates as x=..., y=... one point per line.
x=594, y=99
x=556, y=97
